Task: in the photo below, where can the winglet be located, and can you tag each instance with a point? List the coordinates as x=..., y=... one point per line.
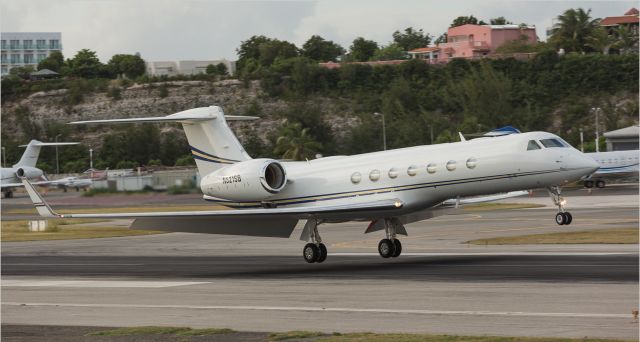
x=462, y=137
x=41, y=206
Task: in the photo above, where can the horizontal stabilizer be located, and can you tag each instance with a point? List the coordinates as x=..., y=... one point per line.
x=38, y=143
x=184, y=116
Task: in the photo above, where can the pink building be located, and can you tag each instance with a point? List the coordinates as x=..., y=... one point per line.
x=474, y=41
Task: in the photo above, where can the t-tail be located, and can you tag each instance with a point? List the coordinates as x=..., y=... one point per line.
x=30, y=156
x=213, y=144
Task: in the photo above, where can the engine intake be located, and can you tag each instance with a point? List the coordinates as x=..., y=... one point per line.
x=251, y=180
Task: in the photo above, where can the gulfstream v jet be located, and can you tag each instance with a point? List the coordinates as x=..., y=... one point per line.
x=387, y=189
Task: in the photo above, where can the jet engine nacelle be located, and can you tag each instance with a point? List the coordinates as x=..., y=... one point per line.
x=251, y=180
x=29, y=172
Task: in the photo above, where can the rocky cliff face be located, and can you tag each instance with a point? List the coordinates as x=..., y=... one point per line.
x=143, y=100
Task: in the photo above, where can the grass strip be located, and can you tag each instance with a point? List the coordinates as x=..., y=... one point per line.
x=627, y=235
x=370, y=337
x=66, y=229
x=498, y=206
x=294, y=335
x=153, y=330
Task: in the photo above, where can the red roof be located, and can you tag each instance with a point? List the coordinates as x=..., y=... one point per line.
x=612, y=21
x=633, y=11
x=425, y=49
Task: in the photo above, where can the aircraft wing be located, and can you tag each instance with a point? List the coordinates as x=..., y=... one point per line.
x=16, y=185
x=272, y=222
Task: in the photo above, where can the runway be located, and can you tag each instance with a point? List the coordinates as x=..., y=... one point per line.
x=439, y=284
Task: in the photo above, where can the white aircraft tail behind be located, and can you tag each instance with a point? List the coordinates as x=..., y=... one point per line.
x=213, y=144
x=31, y=154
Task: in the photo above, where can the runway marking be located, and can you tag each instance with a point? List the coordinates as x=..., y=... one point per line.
x=321, y=309
x=96, y=283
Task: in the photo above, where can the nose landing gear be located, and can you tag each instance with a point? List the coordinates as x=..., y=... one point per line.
x=562, y=217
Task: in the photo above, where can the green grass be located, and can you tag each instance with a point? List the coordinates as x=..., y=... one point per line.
x=601, y=236
x=370, y=337
x=294, y=335
x=66, y=229
x=498, y=206
x=151, y=330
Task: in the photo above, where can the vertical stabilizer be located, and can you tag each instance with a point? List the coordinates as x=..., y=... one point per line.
x=30, y=155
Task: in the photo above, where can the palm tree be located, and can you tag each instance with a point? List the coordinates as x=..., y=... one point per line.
x=627, y=41
x=295, y=143
x=572, y=29
x=601, y=40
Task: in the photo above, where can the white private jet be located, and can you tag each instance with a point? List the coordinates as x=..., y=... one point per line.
x=388, y=189
x=27, y=163
x=614, y=164
x=71, y=182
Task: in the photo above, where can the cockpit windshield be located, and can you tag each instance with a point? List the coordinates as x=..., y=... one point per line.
x=553, y=143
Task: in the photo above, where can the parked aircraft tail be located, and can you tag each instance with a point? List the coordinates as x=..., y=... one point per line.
x=31, y=154
x=213, y=144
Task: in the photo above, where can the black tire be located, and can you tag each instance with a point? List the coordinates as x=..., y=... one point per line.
x=323, y=253
x=8, y=194
x=560, y=218
x=397, y=246
x=568, y=218
x=588, y=184
x=386, y=248
x=310, y=252
x=600, y=184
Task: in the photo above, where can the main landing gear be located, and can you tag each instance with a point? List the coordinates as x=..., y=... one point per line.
x=562, y=217
x=599, y=183
x=390, y=247
x=315, y=251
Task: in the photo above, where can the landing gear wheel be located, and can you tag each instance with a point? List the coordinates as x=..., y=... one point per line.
x=588, y=184
x=386, y=248
x=8, y=194
x=397, y=248
x=323, y=253
x=560, y=218
x=568, y=217
x=600, y=184
x=311, y=253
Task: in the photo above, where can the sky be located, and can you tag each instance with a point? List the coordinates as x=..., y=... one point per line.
x=207, y=29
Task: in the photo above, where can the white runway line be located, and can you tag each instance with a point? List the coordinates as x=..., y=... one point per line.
x=95, y=283
x=497, y=254
x=320, y=309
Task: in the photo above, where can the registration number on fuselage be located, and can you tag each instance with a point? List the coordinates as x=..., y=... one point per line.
x=231, y=179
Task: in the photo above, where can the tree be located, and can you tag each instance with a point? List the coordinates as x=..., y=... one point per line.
x=319, y=49
x=411, y=39
x=362, y=50
x=389, y=52
x=131, y=66
x=23, y=72
x=600, y=40
x=221, y=69
x=85, y=64
x=499, y=21
x=572, y=29
x=521, y=44
x=294, y=142
x=211, y=69
x=627, y=41
x=274, y=49
x=54, y=62
x=250, y=50
x=463, y=20
x=442, y=39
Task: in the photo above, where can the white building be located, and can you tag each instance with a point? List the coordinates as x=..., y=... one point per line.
x=173, y=68
x=27, y=48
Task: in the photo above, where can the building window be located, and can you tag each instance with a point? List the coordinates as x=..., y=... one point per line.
x=15, y=59
x=4, y=44
x=41, y=56
x=41, y=43
x=14, y=44
x=54, y=44
x=28, y=59
x=27, y=44
x=5, y=70
x=4, y=59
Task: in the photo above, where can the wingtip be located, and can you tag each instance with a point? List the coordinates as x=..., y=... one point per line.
x=41, y=206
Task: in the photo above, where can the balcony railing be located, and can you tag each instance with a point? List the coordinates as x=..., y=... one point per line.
x=32, y=47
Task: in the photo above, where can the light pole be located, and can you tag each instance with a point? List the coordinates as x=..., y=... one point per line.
x=581, y=140
x=57, y=162
x=91, y=159
x=597, y=111
x=384, y=130
x=4, y=157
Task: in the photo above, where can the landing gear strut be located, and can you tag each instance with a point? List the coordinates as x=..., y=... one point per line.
x=562, y=217
x=8, y=194
x=315, y=251
x=390, y=247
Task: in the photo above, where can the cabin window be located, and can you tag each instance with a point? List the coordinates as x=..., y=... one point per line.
x=374, y=175
x=412, y=170
x=533, y=145
x=451, y=165
x=471, y=163
x=431, y=168
x=356, y=177
x=393, y=173
x=552, y=143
